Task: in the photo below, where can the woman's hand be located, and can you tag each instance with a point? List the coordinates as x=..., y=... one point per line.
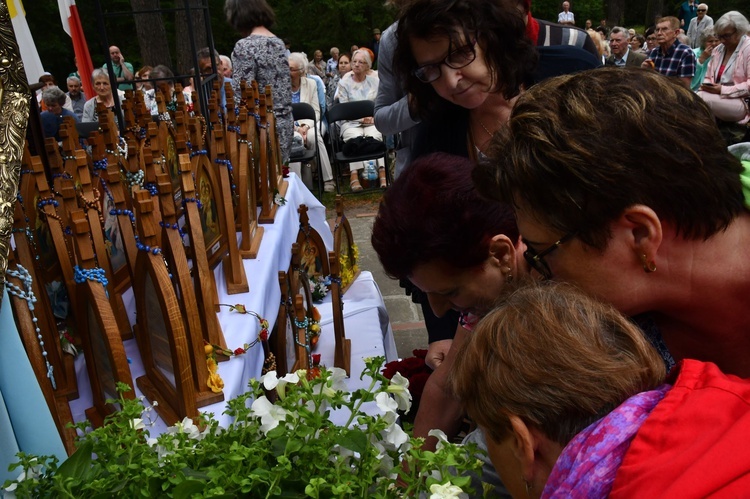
x=711, y=88
x=368, y=121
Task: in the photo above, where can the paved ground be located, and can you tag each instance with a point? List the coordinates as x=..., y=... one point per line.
x=406, y=317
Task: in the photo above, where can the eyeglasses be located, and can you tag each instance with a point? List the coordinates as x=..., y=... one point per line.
x=456, y=59
x=663, y=30
x=536, y=260
x=726, y=36
x=294, y=69
x=701, y=10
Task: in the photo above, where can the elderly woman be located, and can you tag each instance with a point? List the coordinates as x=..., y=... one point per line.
x=305, y=90
x=103, y=89
x=54, y=100
x=708, y=41
x=727, y=82
x=360, y=86
x=573, y=402
x=261, y=56
x=613, y=195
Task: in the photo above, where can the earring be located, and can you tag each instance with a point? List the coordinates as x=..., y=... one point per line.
x=648, y=266
x=529, y=486
x=506, y=271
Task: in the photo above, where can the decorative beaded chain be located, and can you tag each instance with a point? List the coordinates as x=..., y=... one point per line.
x=228, y=164
x=304, y=324
x=27, y=230
x=135, y=178
x=27, y=294
x=173, y=226
x=199, y=152
x=154, y=250
x=95, y=274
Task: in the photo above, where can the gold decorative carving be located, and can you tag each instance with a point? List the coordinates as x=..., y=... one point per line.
x=14, y=115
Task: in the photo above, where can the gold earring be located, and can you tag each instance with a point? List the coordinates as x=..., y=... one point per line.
x=648, y=266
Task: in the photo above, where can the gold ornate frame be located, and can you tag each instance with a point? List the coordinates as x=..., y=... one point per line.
x=14, y=115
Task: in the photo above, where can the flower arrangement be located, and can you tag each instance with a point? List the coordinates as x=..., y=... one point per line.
x=319, y=286
x=349, y=267
x=416, y=371
x=281, y=444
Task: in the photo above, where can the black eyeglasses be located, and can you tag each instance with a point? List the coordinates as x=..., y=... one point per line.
x=456, y=59
x=701, y=10
x=536, y=260
x=727, y=36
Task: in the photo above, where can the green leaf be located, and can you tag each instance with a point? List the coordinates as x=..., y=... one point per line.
x=354, y=440
x=187, y=488
x=78, y=465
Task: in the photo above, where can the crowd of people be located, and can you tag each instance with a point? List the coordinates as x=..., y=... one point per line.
x=566, y=212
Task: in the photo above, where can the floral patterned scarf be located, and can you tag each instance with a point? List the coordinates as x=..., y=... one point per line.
x=588, y=464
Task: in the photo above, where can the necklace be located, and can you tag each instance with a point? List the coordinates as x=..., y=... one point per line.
x=485, y=128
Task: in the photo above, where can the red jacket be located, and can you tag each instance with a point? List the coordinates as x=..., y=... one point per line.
x=695, y=443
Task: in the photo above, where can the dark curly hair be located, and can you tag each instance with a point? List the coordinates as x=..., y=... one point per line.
x=497, y=25
x=433, y=212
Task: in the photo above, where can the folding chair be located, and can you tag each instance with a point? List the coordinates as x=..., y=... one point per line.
x=303, y=111
x=349, y=111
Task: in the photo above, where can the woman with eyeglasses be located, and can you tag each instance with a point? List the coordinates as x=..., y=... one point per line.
x=727, y=83
x=658, y=227
x=362, y=85
x=461, y=250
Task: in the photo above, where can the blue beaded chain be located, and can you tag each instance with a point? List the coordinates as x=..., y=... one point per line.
x=27, y=294
x=44, y=202
x=151, y=188
x=228, y=164
x=154, y=250
x=193, y=200
x=130, y=214
x=27, y=230
x=173, y=226
x=96, y=274
x=199, y=152
x=233, y=128
x=62, y=175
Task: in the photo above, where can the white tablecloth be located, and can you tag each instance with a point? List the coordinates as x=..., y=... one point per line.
x=365, y=317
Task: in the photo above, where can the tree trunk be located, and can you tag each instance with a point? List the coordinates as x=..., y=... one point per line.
x=615, y=12
x=152, y=37
x=185, y=50
x=654, y=11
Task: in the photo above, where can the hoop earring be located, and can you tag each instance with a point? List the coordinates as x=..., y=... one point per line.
x=648, y=266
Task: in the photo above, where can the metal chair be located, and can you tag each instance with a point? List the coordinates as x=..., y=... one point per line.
x=303, y=111
x=349, y=111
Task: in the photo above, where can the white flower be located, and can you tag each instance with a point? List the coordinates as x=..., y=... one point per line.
x=336, y=382
x=271, y=381
x=270, y=415
x=399, y=386
x=441, y=436
x=187, y=427
x=385, y=402
x=396, y=436
x=137, y=424
x=444, y=491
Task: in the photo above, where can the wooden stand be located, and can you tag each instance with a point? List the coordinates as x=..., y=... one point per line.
x=343, y=353
x=252, y=234
x=314, y=256
x=106, y=361
x=161, y=334
x=174, y=252
x=203, y=277
x=273, y=134
x=268, y=181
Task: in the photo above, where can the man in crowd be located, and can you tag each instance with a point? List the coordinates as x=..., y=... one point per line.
x=698, y=24
x=566, y=16
x=375, y=45
x=670, y=57
x=318, y=66
x=206, y=68
x=332, y=65
x=75, y=93
x=123, y=70
x=54, y=99
x=621, y=53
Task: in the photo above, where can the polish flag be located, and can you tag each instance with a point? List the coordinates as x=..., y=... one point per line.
x=72, y=26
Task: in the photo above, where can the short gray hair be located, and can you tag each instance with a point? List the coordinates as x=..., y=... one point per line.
x=705, y=35
x=98, y=73
x=735, y=20
x=53, y=95
x=620, y=29
x=366, y=55
x=73, y=78
x=226, y=60
x=161, y=71
x=300, y=60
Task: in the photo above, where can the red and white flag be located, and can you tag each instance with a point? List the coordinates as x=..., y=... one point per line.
x=72, y=26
